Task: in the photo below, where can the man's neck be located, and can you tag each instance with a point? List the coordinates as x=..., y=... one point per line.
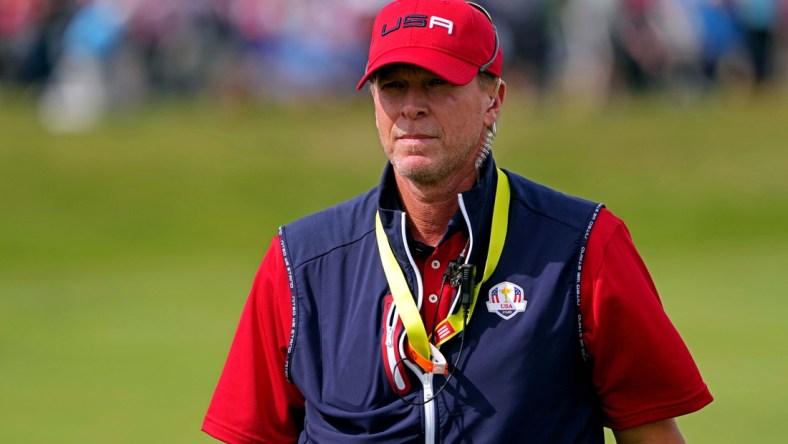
x=430, y=208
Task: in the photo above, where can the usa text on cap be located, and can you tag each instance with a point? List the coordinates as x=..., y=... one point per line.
x=454, y=39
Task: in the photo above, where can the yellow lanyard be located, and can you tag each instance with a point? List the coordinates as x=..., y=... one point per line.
x=403, y=298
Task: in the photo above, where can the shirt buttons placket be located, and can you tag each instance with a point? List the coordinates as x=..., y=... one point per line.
x=435, y=264
x=433, y=298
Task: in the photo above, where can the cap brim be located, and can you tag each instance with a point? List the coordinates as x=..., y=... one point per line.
x=447, y=67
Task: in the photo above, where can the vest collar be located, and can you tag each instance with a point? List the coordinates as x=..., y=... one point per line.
x=479, y=201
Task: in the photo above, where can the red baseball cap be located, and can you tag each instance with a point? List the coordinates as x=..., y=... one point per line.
x=454, y=39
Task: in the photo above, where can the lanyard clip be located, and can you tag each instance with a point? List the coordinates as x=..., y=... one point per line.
x=436, y=366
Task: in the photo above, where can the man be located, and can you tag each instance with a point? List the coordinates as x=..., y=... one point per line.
x=454, y=302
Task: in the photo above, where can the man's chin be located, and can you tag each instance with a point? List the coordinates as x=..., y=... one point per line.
x=422, y=174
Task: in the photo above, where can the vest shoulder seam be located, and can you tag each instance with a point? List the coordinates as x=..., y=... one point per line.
x=331, y=249
x=565, y=223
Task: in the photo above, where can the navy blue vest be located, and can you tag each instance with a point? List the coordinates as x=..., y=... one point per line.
x=518, y=380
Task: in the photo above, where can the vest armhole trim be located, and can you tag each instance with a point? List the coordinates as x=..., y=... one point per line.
x=293, y=305
x=581, y=257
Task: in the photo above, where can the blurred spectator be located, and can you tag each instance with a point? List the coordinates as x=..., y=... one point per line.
x=758, y=19
x=31, y=34
x=720, y=36
x=77, y=95
x=177, y=42
x=641, y=49
x=525, y=28
x=586, y=71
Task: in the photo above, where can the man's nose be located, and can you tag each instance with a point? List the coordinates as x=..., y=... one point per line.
x=415, y=104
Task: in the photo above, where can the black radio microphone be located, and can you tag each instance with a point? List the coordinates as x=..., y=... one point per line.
x=468, y=277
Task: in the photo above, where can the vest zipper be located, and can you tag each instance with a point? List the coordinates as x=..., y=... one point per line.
x=429, y=409
x=426, y=378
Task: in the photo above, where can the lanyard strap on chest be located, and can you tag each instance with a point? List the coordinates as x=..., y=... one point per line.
x=420, y=348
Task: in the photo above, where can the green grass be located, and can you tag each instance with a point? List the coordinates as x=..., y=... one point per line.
x=126, y=253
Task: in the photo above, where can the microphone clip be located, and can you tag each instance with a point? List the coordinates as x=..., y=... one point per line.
x=453, y=274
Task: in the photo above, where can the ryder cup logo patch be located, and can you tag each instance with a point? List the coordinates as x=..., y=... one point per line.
x=506, y=300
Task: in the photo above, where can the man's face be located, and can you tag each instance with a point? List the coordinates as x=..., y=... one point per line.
x=430, y=129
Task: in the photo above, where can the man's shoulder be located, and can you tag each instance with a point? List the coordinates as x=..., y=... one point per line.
x=547, y=202
x=334, y=227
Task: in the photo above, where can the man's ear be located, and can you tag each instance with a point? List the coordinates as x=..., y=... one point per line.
x=494, y=108
x=499, y=92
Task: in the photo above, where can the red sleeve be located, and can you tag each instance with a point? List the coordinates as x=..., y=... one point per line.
x=640, y=365
x=254, y=402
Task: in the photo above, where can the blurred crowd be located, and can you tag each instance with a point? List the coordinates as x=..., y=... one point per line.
x=81, y=58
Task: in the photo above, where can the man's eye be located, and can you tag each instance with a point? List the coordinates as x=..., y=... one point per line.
x=392, y=84
x=437, y=81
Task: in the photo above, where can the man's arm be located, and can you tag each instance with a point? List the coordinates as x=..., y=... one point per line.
x=253, y=402
x=658, y=432
x=640, y=366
